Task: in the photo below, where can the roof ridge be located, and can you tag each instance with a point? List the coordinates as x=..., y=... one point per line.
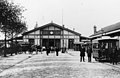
x=108, y=28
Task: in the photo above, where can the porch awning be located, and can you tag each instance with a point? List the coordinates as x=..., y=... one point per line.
x=78, y=42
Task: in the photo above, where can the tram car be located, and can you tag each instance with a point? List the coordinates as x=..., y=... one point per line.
x=102, y=48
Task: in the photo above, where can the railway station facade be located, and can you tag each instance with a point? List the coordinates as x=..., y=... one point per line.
x=53, y=35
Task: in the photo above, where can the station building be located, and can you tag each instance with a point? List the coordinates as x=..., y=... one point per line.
x=53, y=35
x=111, y=31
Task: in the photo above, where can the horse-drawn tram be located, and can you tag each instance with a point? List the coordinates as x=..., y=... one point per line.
x=103, y=48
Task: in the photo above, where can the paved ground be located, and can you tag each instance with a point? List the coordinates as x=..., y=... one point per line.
x=10, y=61
x=63, y=66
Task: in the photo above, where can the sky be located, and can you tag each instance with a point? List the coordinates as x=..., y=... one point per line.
x=81, y=15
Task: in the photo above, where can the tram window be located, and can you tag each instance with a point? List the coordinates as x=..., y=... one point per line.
x=106, y=45
x=95, y=45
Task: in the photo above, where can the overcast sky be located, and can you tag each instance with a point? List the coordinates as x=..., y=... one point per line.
x=79, y=14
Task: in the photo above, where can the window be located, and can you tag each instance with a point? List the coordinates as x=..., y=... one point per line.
x=45, y=32
x=51, y=32
x=57, y=32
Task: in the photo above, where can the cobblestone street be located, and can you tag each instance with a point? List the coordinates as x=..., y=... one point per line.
x=66, y=65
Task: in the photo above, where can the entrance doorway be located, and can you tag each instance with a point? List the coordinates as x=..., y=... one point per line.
x=31, y=41
x=51, y=42
x=71, y=43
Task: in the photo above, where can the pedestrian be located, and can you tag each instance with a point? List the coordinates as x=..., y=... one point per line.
x=110, y=55
x=115, y=55
x=64, y=50
x=82, y=54
x=30, y=49
x=57, y=51
x=89, y=52
x=47, y=51
x=34, y=48
x=40, y=49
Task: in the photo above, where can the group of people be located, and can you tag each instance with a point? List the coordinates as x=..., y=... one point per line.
x=82, y=52
x=88, y=49
x=48, y=49
x=113, y=54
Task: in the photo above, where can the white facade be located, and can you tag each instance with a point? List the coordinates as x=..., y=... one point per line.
x=52, y=35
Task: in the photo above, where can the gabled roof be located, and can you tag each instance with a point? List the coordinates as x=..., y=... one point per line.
x=51, y=24
x=107, y=29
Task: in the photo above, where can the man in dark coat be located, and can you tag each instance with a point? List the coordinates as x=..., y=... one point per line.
x=82, y=54
x=48, y=51
x=89, y=51
x=57, y=51
x=115, y=55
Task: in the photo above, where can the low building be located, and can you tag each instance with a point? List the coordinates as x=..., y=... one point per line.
x=112, y=31
x=53, y=35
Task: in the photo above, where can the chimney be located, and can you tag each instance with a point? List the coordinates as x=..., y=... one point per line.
x=63, y=26
x=95, y=29
x=73, y=29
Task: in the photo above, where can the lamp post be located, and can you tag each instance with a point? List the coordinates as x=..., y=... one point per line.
x=63, y=48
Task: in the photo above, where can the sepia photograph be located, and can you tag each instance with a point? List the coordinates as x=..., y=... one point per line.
x=59, y=38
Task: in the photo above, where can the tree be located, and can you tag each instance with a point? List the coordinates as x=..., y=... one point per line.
x=11, y=19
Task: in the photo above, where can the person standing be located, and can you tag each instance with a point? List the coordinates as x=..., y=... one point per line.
x=57, y=51
x=30, y=49
x=47, y=51
x=82, y=54
x=89, y=52
x=115, y=56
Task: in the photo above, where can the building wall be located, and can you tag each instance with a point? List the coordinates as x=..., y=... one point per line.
x=64, y=36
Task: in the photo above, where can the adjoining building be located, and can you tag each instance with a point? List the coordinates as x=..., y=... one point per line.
x=112, y=31
x=53, y=35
